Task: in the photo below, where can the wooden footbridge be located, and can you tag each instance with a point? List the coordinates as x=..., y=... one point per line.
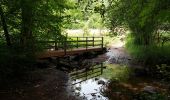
x=70, y=46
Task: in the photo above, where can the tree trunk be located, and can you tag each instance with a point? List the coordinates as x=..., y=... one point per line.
x=5, y=28
x=27, y=39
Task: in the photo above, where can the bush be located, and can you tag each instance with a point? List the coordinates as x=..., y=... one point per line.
x=160, y=71
x=14, y=63
x=154, y=96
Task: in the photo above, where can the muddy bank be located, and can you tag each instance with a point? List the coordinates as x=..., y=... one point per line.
x=42, y=84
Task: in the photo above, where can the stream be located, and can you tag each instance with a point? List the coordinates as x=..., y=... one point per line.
x=87, y=82
x=90, y=81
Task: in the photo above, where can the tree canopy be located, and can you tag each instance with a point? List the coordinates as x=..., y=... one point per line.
x=26, y=20
x=143, y=17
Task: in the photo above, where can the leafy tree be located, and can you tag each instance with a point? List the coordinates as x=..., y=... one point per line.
x=29, y=20
x=87, y=11
x=4, y=25
x=24, y=22
x=142, y=16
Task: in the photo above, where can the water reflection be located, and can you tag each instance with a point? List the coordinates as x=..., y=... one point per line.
x=88, y=75
x=88, y=82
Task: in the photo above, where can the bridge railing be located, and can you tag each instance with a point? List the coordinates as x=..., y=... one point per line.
x=84, y=42
x=70, y=43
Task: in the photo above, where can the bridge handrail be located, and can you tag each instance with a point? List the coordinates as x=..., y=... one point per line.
x=89, y=41
x=86, y=37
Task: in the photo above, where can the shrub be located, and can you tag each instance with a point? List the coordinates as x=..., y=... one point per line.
x=14, y=63
x=148, y=96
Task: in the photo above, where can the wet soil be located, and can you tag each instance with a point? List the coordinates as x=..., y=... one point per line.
x=42, y=84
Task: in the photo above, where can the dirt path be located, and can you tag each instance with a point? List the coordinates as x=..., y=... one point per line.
x=117, y=53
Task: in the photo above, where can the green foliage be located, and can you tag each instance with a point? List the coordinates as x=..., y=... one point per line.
x=143, y=17
x=154, y=96
x=160, y=71
x=29, y=21
x=86, y=14
x=46, y=17
x=152, y=55
x=149, y=23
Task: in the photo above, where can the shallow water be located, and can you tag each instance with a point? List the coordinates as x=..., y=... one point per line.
x=89, y=89
x=87, y=83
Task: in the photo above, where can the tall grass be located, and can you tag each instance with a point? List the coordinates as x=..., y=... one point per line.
x=151, y=54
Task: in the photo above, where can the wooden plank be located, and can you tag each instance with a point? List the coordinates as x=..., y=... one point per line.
x=61, y=53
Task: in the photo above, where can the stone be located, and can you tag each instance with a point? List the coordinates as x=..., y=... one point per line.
x=149, y=89
x=129, y=58
x=42, y=63
x=71, y=58
x=140, y=72
x=53, y=60
x=101, y=82
x=37, y=86
x=78, y=88
x=118, y=93
x=96, y=79
x=77, y=94
x=93, y=94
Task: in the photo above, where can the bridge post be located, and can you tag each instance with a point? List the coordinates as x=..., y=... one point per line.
x=55, y=44
x=93, y=41
x=77, y=42
x=65, y=45
x=102, y=43
x=86, y=43
x=102, y=68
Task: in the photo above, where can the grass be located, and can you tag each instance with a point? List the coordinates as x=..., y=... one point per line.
x=149, y=55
